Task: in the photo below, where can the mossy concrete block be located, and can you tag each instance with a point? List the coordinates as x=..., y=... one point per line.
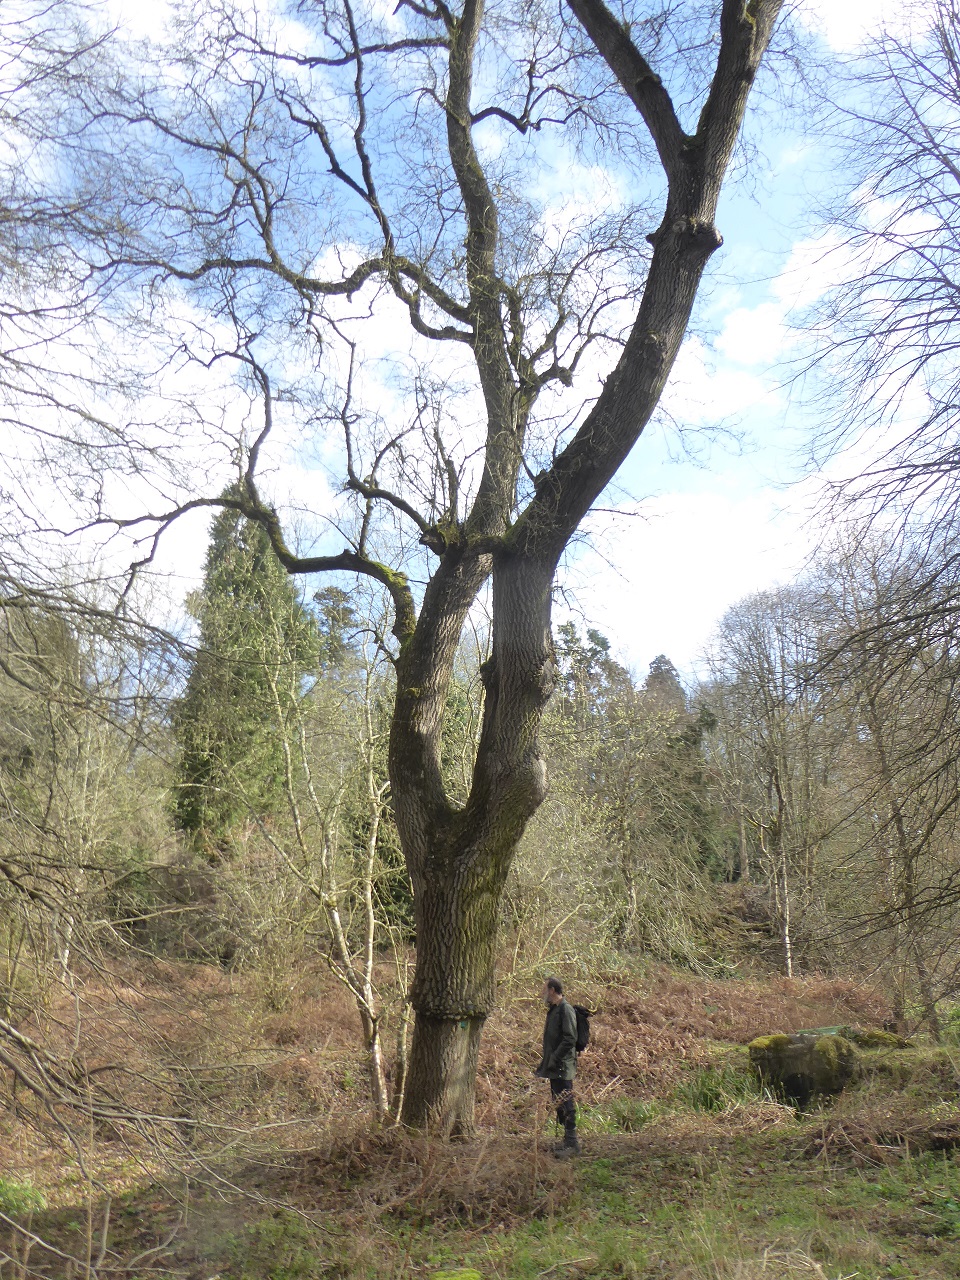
x=801, y=1067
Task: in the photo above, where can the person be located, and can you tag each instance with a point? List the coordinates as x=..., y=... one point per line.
x=559, y=1062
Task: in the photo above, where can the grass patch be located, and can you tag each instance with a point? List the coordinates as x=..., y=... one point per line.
x=18, y=1199
x=621, y=1115
x=281, y=1247
x=710, y=1180
x=716, y=1088
x=689, y=1195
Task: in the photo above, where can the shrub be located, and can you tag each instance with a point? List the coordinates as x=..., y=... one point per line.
x=19, y=1198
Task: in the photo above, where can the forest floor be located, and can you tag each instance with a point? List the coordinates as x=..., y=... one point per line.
x=687, y=1172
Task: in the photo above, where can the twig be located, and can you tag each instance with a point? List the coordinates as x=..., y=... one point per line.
x=38, y=1240
x=104, y=1232
x=571, y=1262
x=607, y=1087
x=152, y=1253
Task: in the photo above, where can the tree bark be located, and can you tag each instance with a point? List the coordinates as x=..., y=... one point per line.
x=442, y=1074
x=459, y=860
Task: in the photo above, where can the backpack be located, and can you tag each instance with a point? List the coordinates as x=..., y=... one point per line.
x=583, y=1026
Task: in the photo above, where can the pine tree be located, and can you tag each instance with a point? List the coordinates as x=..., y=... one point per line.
x=257, y=644
x=662, y=690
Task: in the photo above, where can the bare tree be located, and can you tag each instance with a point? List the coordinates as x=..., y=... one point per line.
x=896, y=685
x=274, y=181
x=837, y=747
x=777, y=749
x=347, y=894
x=886, y=332
x=885, y=340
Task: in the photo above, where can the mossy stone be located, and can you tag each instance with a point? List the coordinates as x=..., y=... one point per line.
x=457, y=1273
x=874, y=1038
x=802, y=1067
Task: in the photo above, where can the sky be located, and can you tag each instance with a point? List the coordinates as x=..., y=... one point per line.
x=736, y=518
x=714, y=529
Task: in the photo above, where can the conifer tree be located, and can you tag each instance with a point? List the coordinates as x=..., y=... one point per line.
x=256, y=646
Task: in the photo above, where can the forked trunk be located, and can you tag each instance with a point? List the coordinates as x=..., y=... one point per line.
x=459, y=859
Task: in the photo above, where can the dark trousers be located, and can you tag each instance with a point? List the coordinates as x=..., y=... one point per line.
x=561, y=1093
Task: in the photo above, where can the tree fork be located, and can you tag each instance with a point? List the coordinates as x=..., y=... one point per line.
x=459, y=875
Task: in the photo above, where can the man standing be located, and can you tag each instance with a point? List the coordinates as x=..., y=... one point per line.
x=559, y=1061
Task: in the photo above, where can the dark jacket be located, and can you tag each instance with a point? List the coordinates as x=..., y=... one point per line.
x=559, y=1061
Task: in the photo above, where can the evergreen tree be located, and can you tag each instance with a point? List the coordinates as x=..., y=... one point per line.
x=337, y=627
x=590, y=680
x=631, y=759
x=257, y=644
x=662, y=690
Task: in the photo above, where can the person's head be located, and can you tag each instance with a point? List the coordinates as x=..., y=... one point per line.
x=552, y=992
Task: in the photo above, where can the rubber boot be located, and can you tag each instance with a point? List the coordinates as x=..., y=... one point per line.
x=570, y=1145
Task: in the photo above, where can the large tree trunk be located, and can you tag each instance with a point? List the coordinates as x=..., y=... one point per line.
x=459, y=859
x=442, y=1075
x=456, y=913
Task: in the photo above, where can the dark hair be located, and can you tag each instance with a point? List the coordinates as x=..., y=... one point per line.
x=555, y=985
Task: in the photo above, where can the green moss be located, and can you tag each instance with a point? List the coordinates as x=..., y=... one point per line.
x=768, y=1044
x=841, y=1062
x=827, y=1048
x=875, y=1038
x=802, y=1067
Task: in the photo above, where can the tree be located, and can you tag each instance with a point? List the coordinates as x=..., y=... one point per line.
x=884, y=342
x=332, y=845
x=662, y=690
x=632, y=760
x=885, y=333
x=46, y=292
x=778, y=747
x=269, y=176
x=81, y=810
x=255, y=639
x=588, y=678
x=621, y=853
x=892, y=671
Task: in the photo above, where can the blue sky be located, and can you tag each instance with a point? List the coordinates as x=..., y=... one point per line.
x=735, y=518
x=738, y=519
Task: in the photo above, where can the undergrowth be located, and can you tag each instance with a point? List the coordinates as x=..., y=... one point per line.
x=716, y=1088
x=690, y=1171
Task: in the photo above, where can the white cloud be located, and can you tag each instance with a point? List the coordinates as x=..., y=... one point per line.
x=754, y=335
x=139, y=20
x=572, y=194
x=813, y=267
x=847, y=23
x=661, y=583
x=702, y=392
